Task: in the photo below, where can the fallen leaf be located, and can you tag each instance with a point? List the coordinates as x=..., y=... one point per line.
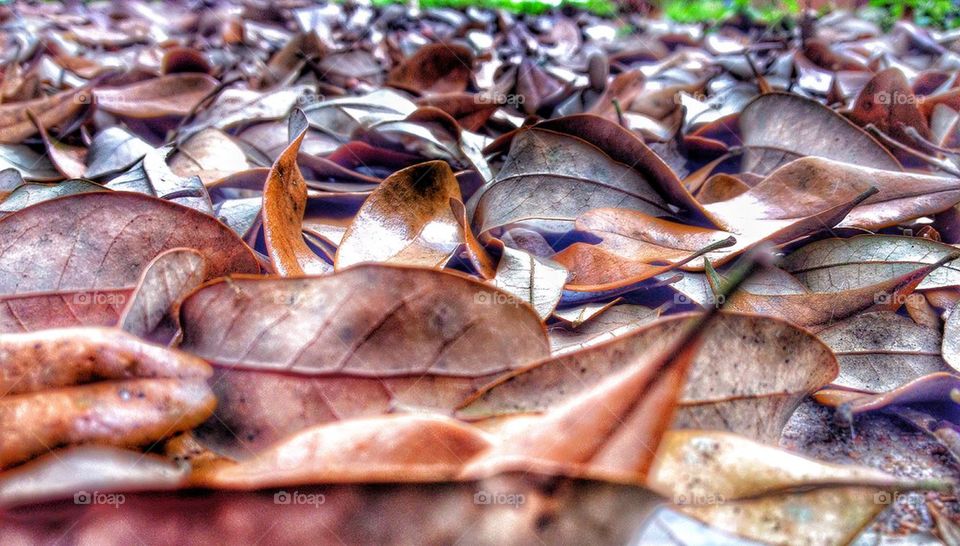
x=284, y=202
x=951, y=340
x=887, y=102
x=437, y=68
x=794, y=201
x=102, y=240
x=881, y=351
x=29, y=164
x=559, y=169
x=407, y=220
x=813, y=309
x=756, y=402
x=611, y=323
x=522, y=508
x=154, y=307
x=800, y=126
x=210, y=154
x=51, y=111
x=60, y=309
x=359, y=342
x=172, y=95
x=534, y=280
x=144, y=394
x=764, y=493
x=841, y=264
x=32, y=193
x=113, y=150
x=84, y=468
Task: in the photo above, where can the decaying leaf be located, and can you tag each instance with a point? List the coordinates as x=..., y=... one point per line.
x=172, y=95
x=515, y=509
x=800, y=127
x=284, y=202
x=841, y=264
x=817, y=309
x=881, y=351
x=951, y=340
x=210, y=154
x=561, y=168
x=616, y=321
x=534, y=280
x=768, y=494
x=153, y=310
x=407, y=220
x=778, y=365
x=95, y=385
x=102, y=240
x=359, y=342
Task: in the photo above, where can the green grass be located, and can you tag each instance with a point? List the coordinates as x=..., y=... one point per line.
x=600, y=7
x=705, y=11
x=929, y=13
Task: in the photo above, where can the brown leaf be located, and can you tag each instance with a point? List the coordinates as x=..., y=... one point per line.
x=173, y=95
x=796, y=200
x=777, y=365
x=59, y=309
x=409, y=449
x=935, y=391
x=843, y=263
x=607, y=323
x=51, y=111
x=609, y=431
x=84, y=468
x=359, y=342
x=434, y=68
x=407, y=220
x=209, y=154
x=31, y=193
x=800, y=125
x=881, y=351
x=887, y=102
x=951, y=339
x=559, y=169
x=69, y=160
x=520, y=508
x=154, y=308
x=470, y=110
x=764, y=493
x=822, y=308
x=100, y=240
x=534, y=280
x=94, y=385
x=284, y=202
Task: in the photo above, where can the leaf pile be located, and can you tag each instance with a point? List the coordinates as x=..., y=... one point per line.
x=291, y=272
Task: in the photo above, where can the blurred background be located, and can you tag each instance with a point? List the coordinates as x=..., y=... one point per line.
x=938, y=13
